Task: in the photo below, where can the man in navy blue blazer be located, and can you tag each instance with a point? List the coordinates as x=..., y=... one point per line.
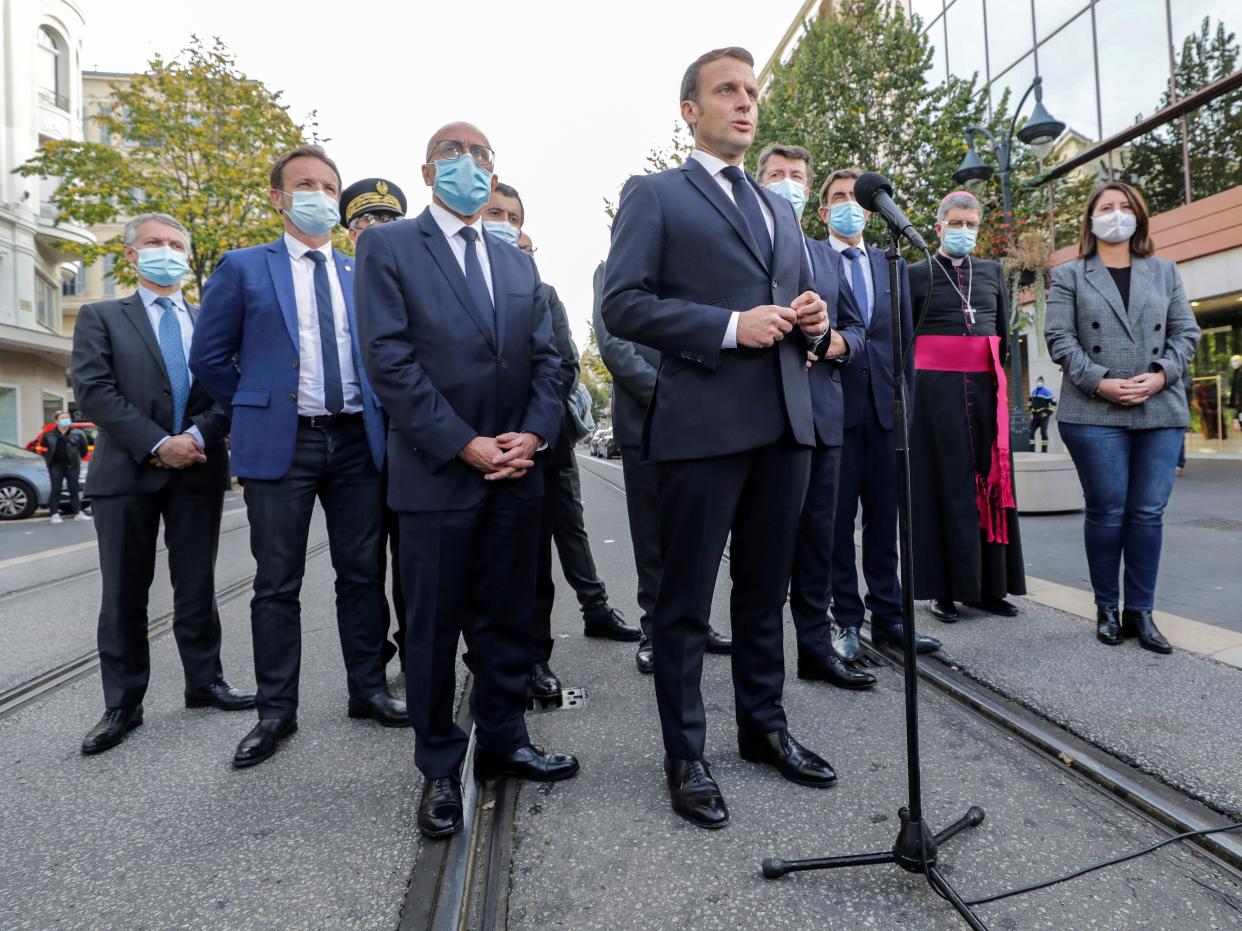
x=868, y=460
x=276, y=343
x=786, y=170
x=457, y=340
x=709, y=269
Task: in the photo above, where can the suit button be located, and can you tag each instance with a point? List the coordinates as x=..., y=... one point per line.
x=774, y=284
x=296, y=363
x=293, y=397
x=1095, y=348
x=867, y=340
x=167, y=392
x=1095, y=324
x=865, y=371
x=1158, y=325
x=1155, y=352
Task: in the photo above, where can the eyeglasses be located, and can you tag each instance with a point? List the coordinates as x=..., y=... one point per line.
x=451, y=148
x=529, y=250
x=370, y=219
x=961, y=224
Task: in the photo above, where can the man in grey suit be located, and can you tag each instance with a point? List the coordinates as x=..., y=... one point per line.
x=160, y=453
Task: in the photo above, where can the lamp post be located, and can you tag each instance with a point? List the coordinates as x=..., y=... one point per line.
x=1039, y=132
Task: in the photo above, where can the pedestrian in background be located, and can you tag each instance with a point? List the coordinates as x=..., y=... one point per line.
x=64, y=448
x=1120, y=327
x=1043, y=403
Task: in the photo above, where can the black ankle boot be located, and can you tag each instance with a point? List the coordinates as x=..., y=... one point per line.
x=1140, y=624
x=1107, y=625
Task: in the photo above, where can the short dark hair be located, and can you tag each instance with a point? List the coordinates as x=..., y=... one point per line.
x=690, y=80
x=1141, y=245
x=508, y=190
x=841, y=174
x=793, y=153
x=302, y=151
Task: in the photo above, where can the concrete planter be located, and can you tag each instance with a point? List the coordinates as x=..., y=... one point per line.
x=1046, y=483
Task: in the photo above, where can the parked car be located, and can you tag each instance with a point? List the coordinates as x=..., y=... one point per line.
x=37, y=446
x=25, y=485
x=602, y=444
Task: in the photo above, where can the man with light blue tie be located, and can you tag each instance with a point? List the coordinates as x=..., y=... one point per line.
x=277, y=344
x=868, y=462
x=159, y=454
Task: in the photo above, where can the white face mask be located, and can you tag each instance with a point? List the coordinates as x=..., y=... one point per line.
x=1117, y=226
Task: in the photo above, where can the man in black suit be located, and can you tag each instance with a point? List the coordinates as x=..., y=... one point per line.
x=786, y=170
x=633, y=369
x=869, y=463
x=160, y=453
x=710, y=270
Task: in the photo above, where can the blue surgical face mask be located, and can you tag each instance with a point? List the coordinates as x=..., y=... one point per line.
x=847, y=219
x=463, y=184
x=162, y=265
x=64, y=422
x=959, y=242
x=792, y=191
x=315, y=213
x=505, y=230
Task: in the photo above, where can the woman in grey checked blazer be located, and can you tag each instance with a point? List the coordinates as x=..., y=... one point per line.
x=1120, y=327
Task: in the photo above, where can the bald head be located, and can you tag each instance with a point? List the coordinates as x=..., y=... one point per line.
x=466, y=133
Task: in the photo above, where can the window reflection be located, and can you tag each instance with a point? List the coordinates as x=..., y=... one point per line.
x=1192, y=43
x=964, y=25
x=1132, y=44
x=1067, y=64
x=1214, y=134
x=938, y=71
x=1010, y=35
x=927, y=10
x=1016, y=80
x=1153, y=163
x=1051, y=14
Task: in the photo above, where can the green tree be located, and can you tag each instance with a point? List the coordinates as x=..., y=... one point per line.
x=855, y=93
x=202, y=137
x=661, y=158
x=1213, y=132
x=595, y=375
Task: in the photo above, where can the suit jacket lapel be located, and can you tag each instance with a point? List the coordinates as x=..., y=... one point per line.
x=1140, y=289
x=282, y=279
x=879, y=284
x=345, y=275
x=1098, y=277
x=136, y=311
x=438, y=246
x=707, y=186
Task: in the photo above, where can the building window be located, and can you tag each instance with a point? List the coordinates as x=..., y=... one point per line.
x=53, y=404
x=8, y=414
x=53, y=82
x=109, y=280
x=45, y=303
x=74, y=287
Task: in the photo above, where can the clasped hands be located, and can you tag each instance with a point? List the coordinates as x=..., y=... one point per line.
x=178, y=452
x=1130, y=392
x=766, y=325
x=510, y=455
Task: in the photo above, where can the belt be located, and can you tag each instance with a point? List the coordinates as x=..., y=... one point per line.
x=323, y=421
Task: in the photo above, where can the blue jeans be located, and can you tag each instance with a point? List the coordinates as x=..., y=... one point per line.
x=1126, y=478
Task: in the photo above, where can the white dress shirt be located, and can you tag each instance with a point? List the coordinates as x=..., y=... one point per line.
x=841, y=245
x=155, y=313
x=715, y=166
x=310, y=350
x=450, y=224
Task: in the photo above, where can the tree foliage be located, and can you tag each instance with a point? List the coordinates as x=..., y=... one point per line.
x=595, y=375
x=192, y=137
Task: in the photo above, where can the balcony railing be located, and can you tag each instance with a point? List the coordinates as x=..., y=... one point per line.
x=46, y=95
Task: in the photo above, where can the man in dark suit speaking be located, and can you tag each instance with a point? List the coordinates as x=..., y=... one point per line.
x=457, y=340
x=710, y=270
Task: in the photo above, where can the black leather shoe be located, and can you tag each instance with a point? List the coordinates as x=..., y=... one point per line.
x=832, y=669
x=644, y=659
x=527, y=762
x=439, y=813
x=943, y=609
x=263, y=740
x=1107, y=625
x=380, y=706
x=218, y=695
x=718, y=642
x=792, y=760
x=1140, y=624
x=111, y=729
x=845, y=643
x=696, y=797
x=542, y=682
x=997, y=606
x=895, y=635
x=609, y=624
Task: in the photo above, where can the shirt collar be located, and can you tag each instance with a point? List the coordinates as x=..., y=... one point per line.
x=451, y=224
x=712, y=163
x=148, y=297
x=298, y=249
x=841, y=245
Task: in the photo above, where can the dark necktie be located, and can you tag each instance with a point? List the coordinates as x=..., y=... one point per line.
x=173, y=351
x=748, y=203
x=476, y=284
x=858, y=282
x=333, y=392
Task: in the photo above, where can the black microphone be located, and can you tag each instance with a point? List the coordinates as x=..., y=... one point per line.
x=874, y=192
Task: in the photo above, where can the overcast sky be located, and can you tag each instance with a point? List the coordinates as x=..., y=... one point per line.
x=571, y=94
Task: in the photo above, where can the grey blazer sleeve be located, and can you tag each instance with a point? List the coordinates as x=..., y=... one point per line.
x=1061, y=330
x=563, y=341
x=1182, y=332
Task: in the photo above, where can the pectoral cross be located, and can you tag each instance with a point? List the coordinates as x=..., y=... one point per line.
x=970, y=316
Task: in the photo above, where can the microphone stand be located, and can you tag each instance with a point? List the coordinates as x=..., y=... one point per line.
x=916, y=846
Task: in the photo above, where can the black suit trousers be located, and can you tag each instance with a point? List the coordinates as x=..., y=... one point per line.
x=332, y=465
x=756, y=497
x=869, y=474
x=642, y=502
x=469, y=572
x=810, y=587
x=127, y=527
